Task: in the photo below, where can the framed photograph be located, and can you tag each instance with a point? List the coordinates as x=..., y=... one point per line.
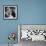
x=10, y=12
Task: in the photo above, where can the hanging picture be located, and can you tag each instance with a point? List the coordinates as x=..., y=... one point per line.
x=10, y=12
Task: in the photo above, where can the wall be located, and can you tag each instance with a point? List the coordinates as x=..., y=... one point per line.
x=33, y=12
x=29, y=12
x=7, y=26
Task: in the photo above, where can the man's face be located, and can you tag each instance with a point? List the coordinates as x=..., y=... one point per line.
x=9, y=12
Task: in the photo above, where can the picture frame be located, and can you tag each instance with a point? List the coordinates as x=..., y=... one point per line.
x=10, y=12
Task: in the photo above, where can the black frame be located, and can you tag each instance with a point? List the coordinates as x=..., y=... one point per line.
x=10, y=6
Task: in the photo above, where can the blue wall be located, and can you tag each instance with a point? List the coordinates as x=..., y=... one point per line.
x=29, y=12
x=7, y=26
x=33, y=12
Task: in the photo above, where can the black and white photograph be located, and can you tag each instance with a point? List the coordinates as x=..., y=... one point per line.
x=32, y=34
x=10, y=12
